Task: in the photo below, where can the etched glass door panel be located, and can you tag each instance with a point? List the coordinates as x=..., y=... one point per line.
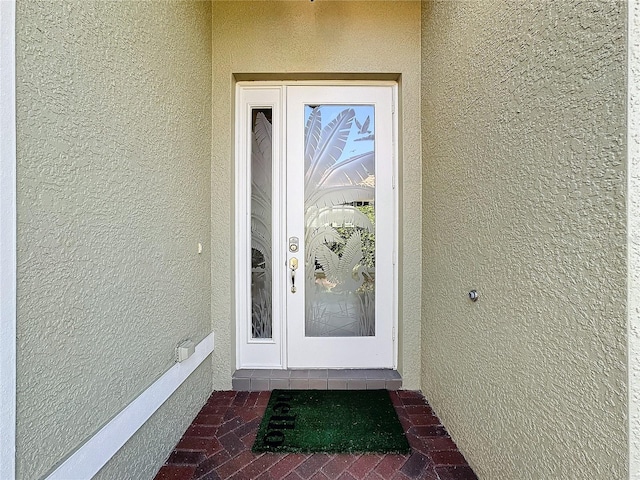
x=261, y=231
x=339, y=209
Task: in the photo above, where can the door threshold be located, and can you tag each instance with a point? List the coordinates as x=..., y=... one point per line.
x=256, y=380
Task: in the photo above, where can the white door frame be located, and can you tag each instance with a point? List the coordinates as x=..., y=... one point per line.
x=7, y=240
x=367, y=351
x=251, y=352
x=272, y=353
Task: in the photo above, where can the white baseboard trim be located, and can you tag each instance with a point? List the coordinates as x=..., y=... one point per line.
x=100, y=448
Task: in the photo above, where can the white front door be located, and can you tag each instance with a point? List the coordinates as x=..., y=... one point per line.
x=316, y=173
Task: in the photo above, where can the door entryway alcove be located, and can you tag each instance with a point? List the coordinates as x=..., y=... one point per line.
x=316, y=223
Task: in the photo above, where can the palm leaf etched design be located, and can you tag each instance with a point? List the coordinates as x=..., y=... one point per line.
x=261, y=206
x=343, y=270
x=332, y=186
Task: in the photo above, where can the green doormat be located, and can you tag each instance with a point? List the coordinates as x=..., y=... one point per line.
x=331, y=421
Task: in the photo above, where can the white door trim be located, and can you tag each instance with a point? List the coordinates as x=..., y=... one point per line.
x=250, y=352
x=7, y=240
x=278, y=357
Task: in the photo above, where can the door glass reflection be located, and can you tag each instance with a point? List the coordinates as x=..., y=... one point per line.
x=339, y=192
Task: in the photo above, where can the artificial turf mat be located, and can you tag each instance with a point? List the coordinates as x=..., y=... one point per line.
x=331, y=421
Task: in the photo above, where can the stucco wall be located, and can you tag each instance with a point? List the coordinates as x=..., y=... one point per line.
x=633, y=215
x=145, y=453
x=329, y=40
x=524, y=186
x=114, y=144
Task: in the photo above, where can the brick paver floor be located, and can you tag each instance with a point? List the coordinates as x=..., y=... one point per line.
x=218, y=443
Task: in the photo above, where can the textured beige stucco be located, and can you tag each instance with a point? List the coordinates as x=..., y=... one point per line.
x=145, y=453
x=633, y=215
x=114, y=145
x=524, y=185
x=294, y=39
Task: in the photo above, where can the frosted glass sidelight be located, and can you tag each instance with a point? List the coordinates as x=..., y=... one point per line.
x=261, y=237
x=339, y=193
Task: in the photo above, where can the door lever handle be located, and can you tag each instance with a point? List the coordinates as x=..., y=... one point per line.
x=293, y=265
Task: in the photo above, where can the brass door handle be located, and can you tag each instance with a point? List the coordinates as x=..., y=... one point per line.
x=293, y=266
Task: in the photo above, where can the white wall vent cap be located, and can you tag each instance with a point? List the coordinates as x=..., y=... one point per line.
x=184, y=350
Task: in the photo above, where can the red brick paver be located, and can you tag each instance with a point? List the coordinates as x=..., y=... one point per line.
x=217, y=446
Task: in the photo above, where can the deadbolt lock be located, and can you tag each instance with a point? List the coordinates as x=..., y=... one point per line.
x=294, y=243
